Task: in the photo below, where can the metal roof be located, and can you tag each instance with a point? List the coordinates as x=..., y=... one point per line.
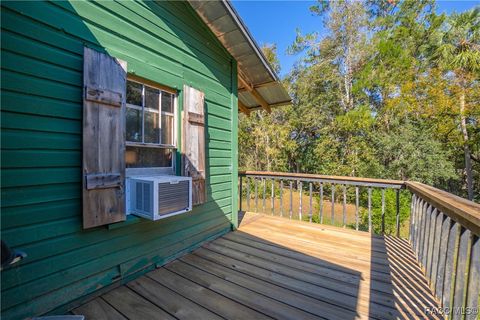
x=258, y=85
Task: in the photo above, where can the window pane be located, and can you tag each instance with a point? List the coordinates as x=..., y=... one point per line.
x=138, y=157
x=134, y=93
x=167, y=129
x=134, y=125
x=167, y=102
x=152, y=128
x=152, y=98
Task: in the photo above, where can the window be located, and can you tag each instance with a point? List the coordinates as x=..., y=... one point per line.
x=150, y=126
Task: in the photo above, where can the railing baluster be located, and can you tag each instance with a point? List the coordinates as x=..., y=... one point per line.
x=301, y=198
x=474, y=278
x=418, y=224
x=369, y=209
x=436, y=251
x=291, y=199
x=310, y=208
x=419, y=214
x=412, y=220
x=442, y=258
x=431, y=238
x=273, y=196
x=397, y=215
x=357, y=200
x=264, y=181
x=461, y=273
x=383, y=210
x=281, y=198
x=256, y=194
x=248, y=193
x=332, y=219
x=241, y=191
x=425, y=214
x=321, y=202
x=344, y=213
x=426, y=236
x=452, y=254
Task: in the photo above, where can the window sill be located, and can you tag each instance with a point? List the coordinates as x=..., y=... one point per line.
x=131, y=219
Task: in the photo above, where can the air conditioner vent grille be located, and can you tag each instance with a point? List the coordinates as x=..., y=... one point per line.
x=173, y=197
x=147, y=200
x=143, y=199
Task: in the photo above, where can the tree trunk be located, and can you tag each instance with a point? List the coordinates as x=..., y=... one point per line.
x=466, y=148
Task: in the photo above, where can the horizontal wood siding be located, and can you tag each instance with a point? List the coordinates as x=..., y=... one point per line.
x=41, y=123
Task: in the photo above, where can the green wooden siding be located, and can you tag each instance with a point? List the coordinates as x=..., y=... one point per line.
x=41, y=123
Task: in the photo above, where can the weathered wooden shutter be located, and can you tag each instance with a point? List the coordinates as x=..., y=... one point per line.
x=104, y=80
x=193, y=142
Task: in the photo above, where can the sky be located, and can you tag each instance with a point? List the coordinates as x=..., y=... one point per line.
x=276, y=21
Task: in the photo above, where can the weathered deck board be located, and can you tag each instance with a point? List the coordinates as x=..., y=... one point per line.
x=277, y=268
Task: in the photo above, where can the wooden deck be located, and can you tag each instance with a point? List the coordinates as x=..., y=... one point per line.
x=282, y=269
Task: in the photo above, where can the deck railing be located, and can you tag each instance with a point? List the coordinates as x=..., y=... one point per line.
x=320, y=187
x=444, y=233
x=443, y=229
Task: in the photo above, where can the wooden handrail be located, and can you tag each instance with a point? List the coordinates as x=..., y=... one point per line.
x=337, y=179
x=465, y=212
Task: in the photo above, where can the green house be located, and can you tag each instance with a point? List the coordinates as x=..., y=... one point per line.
x=95, y=94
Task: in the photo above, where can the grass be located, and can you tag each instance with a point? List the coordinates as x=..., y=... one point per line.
x=266, y=207
x=327, y=208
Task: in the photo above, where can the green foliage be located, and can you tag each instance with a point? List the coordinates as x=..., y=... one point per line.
x=411, y=152
x=390, y=211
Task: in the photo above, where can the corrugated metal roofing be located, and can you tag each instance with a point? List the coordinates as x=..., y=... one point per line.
x=226, y=24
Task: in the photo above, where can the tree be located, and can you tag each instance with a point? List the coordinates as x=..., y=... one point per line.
x=344, y=48
x=459, y=55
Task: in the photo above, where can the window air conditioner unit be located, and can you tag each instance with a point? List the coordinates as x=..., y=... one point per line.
x=159, y=197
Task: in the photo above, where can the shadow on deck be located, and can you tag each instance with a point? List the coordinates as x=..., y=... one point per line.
x=277, y=268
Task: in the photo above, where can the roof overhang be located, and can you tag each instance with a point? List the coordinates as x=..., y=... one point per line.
x=258, y=85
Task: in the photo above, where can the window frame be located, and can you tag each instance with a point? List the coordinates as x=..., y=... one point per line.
x=173, y=147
